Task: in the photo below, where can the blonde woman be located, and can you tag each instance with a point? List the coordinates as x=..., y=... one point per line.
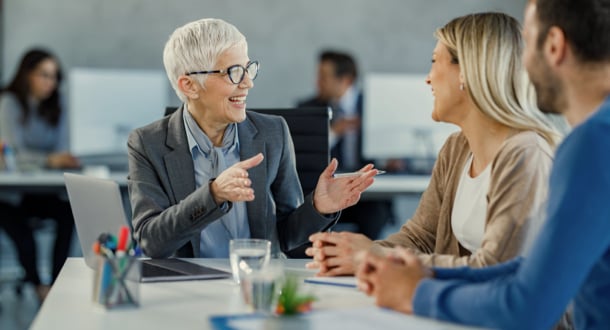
x=490, y=178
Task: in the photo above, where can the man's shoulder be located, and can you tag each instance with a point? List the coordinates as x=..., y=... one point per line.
x=596, y=129
x=586, y=145
x=600, y=120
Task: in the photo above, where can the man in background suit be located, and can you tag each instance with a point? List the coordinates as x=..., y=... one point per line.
x=336, y=84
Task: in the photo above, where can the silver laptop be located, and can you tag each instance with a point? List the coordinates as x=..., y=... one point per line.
x=97, y=208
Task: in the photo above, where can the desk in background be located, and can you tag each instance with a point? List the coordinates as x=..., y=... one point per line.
x=392, y=185
x=385, y=186
x=12, y=185
x=404, y=190
x=44, y=181
x=189, y=304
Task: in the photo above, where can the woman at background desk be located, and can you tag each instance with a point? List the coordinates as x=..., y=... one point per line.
x=489, y=180
x=33, y=124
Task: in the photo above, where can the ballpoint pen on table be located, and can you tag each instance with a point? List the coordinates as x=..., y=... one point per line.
x=353, y=174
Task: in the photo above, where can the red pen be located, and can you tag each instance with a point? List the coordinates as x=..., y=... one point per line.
x=96, y=247
x=123, y=237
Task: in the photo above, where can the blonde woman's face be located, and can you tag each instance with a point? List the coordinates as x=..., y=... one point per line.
x=444, y=79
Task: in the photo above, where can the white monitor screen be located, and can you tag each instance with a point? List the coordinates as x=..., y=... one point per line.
x=397, y=120
x=105, y=105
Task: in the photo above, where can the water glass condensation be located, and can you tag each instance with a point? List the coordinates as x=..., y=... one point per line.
x=260, y=288
x=248, y=255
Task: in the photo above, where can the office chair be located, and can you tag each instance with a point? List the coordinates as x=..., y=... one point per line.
x=309, y=129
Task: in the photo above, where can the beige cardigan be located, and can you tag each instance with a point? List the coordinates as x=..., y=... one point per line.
x=517, y=192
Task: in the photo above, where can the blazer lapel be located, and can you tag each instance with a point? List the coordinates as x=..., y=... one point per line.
x=249, y=146
x=178, y=161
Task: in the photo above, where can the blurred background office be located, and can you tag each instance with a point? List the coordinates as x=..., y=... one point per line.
x=338, y=89
x=284, y=35
x=32, y=127
x=100, y=38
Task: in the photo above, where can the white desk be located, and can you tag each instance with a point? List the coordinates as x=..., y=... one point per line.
x=384, y=187
x=388, y=186
x=188, y=305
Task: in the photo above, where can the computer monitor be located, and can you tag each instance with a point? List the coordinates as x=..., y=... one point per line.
x=397, y=120
x=104, y=105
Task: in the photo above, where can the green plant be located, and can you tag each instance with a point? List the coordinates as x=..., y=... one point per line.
x=290, y=302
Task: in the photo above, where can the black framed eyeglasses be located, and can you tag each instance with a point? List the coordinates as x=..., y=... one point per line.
x=235, y=72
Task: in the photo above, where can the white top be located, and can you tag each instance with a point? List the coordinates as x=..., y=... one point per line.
x=470, y=207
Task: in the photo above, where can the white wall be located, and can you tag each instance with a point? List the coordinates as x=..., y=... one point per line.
x=285, y=35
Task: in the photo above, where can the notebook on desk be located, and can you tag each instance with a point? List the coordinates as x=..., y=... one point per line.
x=97, y=208
x=343, y=281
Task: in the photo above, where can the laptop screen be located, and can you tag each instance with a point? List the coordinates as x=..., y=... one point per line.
x=97, y=208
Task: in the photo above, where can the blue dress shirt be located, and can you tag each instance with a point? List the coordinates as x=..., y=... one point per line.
x=234, y=224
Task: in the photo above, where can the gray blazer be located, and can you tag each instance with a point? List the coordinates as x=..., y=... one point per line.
x=169, y=213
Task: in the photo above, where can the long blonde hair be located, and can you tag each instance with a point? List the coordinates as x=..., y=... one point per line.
x=488, y=48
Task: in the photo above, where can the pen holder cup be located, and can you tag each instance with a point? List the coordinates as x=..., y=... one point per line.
x=116, y=282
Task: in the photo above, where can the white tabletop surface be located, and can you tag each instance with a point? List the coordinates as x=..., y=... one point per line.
x=189, y=304
x=384, y=186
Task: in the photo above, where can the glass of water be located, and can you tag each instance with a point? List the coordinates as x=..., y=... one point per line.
x=248, y=255
x=260, y=289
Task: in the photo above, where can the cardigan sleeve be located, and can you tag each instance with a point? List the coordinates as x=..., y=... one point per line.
x=420, y=231
x=516, y=195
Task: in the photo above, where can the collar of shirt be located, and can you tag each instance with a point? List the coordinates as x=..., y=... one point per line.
x=192, y=141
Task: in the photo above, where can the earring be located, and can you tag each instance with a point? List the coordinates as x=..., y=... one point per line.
x=461, y=86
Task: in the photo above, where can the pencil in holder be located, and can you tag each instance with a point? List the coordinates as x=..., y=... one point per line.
x=116, y=281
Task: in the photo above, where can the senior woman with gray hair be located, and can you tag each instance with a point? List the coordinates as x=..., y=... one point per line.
x=194, y=175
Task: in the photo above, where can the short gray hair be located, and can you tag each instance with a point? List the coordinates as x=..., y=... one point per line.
x=196, y=46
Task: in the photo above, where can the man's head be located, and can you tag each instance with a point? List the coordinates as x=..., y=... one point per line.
x=336, y=73
x=560, y=34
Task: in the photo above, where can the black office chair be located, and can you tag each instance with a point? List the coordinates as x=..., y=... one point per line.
x=309, y=129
